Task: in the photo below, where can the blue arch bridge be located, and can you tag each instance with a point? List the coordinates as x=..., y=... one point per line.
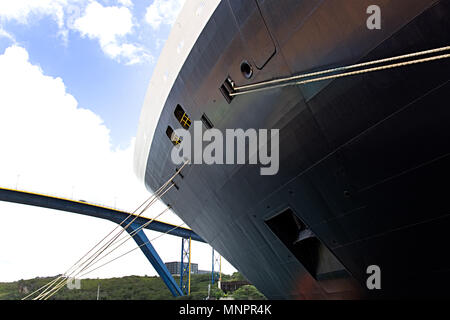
x=117, y=216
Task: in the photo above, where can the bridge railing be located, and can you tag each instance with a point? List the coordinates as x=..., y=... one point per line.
x=65, y=197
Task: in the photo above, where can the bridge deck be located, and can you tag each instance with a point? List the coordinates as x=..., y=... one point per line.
x=89, y=209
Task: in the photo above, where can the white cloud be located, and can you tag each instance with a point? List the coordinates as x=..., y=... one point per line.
x=7, y=35
x=105, y=23
x=163, y=12
x=49, y=144
x=21, y=10
x=62, y=12
x=133, y=54
x=126, y=3
x=45, y=123
x=109, y=25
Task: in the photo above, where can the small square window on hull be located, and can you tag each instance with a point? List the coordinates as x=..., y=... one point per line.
x=172, y=136
x=182, y=117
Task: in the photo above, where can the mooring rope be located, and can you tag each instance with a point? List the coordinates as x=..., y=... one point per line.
x=145, y=243
x=58, y=282
x=120, y=256
x=293, y=80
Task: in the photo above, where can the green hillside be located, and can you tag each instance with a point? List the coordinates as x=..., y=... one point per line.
x=127, y=288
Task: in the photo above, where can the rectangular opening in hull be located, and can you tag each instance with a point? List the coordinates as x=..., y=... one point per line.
x=206, y=122
x=315, y=257
x=227, y=89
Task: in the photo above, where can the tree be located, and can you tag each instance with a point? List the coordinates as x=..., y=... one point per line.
x=217, y=293
x=248, y=292
x=237, y=276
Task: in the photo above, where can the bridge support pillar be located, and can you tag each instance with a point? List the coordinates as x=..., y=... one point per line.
x=152, y=256
x=185, y=266
x=216, y=262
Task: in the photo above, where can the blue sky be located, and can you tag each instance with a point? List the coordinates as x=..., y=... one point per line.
x=111, y=88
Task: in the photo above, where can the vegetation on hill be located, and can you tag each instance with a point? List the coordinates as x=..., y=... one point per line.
x=248, y=292
x=128, y=288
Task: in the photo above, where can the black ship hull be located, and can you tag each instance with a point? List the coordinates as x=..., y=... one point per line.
x=364, y=161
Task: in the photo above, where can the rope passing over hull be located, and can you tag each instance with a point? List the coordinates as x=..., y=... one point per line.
x=341, y=72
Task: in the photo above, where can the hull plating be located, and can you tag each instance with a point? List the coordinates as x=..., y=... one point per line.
x=364, y=161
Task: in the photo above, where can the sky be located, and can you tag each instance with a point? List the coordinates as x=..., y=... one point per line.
x=73, y=76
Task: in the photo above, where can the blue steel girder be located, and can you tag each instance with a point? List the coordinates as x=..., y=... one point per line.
x=84, y=208
x=152, y=256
